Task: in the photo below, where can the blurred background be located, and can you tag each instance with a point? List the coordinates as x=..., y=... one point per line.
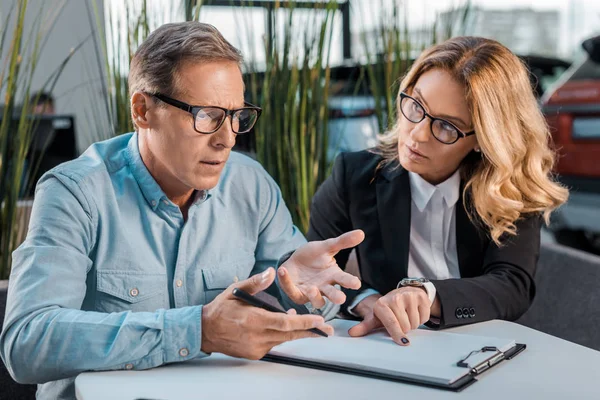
x=325, y=73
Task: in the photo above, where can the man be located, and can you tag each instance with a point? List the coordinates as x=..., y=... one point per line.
x=52, y=142
x=42, y=103
x=134, y=248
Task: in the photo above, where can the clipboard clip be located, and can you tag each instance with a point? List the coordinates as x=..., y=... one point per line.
x=479, y=368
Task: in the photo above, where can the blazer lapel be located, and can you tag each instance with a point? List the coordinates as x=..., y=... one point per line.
x=469, y=242
x=393, y=209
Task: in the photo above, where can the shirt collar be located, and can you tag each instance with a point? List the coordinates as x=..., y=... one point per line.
x=422, y=191
x=150, y=188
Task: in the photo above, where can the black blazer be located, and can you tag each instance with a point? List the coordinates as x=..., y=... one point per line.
x=496, y=282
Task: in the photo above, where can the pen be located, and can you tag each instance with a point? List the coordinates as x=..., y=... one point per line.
x=255, y=301
x=488, y=363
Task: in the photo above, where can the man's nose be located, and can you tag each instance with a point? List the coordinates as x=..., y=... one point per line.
x=224, y=137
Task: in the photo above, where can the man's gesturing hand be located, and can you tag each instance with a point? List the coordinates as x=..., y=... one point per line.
x=311, y=271
x=237, y=329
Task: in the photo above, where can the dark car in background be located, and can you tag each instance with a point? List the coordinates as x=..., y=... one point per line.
x=572, y=110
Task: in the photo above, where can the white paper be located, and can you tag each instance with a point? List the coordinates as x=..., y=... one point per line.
x=431, y=355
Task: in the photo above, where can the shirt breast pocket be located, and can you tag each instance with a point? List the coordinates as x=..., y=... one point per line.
x=122, y=291
x=219, y=277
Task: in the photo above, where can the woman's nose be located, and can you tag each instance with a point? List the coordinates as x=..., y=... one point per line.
x=421, y=131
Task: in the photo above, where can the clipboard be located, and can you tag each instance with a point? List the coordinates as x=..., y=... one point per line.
x=474, y=361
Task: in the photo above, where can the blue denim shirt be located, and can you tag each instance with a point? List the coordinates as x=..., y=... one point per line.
x=111, y=277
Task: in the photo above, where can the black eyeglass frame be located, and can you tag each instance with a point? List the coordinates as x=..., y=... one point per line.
x=194, y=110
x=461, y=134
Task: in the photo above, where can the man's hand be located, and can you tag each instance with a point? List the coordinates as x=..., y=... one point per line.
x=311, y=271
x=399, y=311
x=232, y=327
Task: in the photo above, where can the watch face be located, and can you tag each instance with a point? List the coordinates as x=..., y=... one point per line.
x=414, y=281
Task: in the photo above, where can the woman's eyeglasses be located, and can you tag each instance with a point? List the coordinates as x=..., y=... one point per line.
x=441, y=129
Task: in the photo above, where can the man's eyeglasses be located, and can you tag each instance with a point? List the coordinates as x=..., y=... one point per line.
x=441, y=129
x=209, y=119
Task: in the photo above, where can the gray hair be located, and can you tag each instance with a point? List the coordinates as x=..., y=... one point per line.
x=155, y=65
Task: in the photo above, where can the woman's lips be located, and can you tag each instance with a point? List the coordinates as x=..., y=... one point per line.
x=415, y=155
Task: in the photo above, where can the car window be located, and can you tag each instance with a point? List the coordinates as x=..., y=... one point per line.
x=587, y=70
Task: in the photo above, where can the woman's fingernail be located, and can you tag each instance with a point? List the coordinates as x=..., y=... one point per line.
x=281, y=272
x=404, y=340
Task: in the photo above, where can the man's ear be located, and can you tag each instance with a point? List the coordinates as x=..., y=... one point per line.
x=139, y=109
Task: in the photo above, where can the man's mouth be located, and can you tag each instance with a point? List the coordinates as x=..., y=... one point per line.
x=213, y=162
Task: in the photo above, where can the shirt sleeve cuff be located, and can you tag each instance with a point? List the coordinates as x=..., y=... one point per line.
x=433, y=322
x=431, y=291
x=183, y=334
x=328, y=311
x=360, y=297
x=284, y=258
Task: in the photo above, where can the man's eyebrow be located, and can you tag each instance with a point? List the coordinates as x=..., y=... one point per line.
x=456, y=120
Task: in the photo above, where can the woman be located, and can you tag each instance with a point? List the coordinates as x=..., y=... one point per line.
x=452, y=198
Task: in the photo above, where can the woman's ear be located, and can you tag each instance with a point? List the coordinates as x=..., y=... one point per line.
x=139, y=109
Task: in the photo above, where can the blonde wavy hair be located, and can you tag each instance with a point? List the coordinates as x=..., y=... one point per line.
x=512, y=177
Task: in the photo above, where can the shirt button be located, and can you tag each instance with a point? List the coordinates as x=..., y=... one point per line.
x=179, y=283
x=129, y=366
x=134, y=292
x=184, y=352
x=153, y=203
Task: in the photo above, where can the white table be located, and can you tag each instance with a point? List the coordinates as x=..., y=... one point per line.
x=550, y=368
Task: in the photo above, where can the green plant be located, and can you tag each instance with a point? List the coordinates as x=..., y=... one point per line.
x=388, y=57
x=293, y=90
x=23, y=48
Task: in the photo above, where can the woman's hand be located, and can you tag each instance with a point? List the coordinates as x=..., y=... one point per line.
x=399, y=311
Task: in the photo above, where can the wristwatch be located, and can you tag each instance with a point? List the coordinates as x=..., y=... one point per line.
x=420, y=282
